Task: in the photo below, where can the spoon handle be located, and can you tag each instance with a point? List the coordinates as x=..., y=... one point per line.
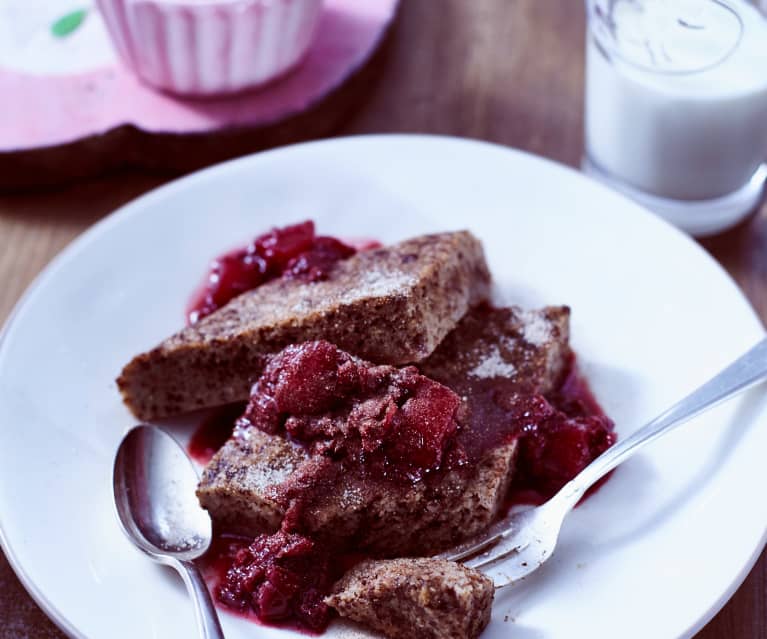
x=204, y=610
x=744, y=372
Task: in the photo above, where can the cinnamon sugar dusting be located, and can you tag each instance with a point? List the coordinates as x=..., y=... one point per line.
x=493, y=365
x=536, y=329
x=378, y=282
x=261, y=477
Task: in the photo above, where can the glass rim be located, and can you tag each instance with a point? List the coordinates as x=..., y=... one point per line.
x=609, y=50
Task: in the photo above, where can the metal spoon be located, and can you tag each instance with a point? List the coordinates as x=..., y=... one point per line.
x=520, y=543
x=154, y=491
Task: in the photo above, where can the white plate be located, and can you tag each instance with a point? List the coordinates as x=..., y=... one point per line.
x=655, y=553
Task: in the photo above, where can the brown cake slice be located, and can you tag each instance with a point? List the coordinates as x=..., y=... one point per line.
x=518, y=349
x=391, y=305
x=528, y=349
x=374, y=466
x=240, y=487
x=415, y=598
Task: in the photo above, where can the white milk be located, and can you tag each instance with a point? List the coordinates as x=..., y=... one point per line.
x=676, y=94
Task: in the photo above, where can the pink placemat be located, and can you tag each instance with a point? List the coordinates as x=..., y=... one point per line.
x=52, y=98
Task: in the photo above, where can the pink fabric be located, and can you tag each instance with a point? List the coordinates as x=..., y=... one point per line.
x=47, y=111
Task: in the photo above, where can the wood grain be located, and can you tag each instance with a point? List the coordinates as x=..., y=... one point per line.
x=507, y=71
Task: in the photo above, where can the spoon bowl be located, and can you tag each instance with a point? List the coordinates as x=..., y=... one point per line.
x=154, y=489
x=154, y=486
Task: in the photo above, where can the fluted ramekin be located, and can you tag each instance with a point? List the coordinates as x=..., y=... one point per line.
x=209, y=47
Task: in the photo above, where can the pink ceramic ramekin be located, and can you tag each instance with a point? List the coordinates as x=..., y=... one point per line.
x=208, y=47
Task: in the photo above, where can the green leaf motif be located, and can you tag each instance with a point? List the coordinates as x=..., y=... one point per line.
x=69, y=23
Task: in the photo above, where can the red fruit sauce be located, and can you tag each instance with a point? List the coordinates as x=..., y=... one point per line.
x=281, y=578
x=393, y=422
x=561, y=435
x=213, y=432
x=293, y=251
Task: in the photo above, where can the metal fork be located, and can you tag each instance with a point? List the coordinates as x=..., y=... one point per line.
x=520, y=543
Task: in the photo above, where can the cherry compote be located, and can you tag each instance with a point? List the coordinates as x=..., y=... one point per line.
x=293, y=251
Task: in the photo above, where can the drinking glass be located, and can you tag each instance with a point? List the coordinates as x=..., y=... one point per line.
x=676, y=106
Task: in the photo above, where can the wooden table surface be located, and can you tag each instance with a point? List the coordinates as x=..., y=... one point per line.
x=509, y=71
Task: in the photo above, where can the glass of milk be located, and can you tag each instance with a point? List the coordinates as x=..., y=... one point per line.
x=676, y=106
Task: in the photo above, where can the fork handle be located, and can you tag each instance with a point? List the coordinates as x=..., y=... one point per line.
x=744, y=372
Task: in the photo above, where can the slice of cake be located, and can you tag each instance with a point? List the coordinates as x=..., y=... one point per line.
x=249, y=484
x=373, y=459
x=518, y=377
x=391, y=305
x=244, y=484
x=415, y=598
x=527, y=350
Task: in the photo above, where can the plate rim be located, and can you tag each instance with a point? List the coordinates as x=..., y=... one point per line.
x=135, y=205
